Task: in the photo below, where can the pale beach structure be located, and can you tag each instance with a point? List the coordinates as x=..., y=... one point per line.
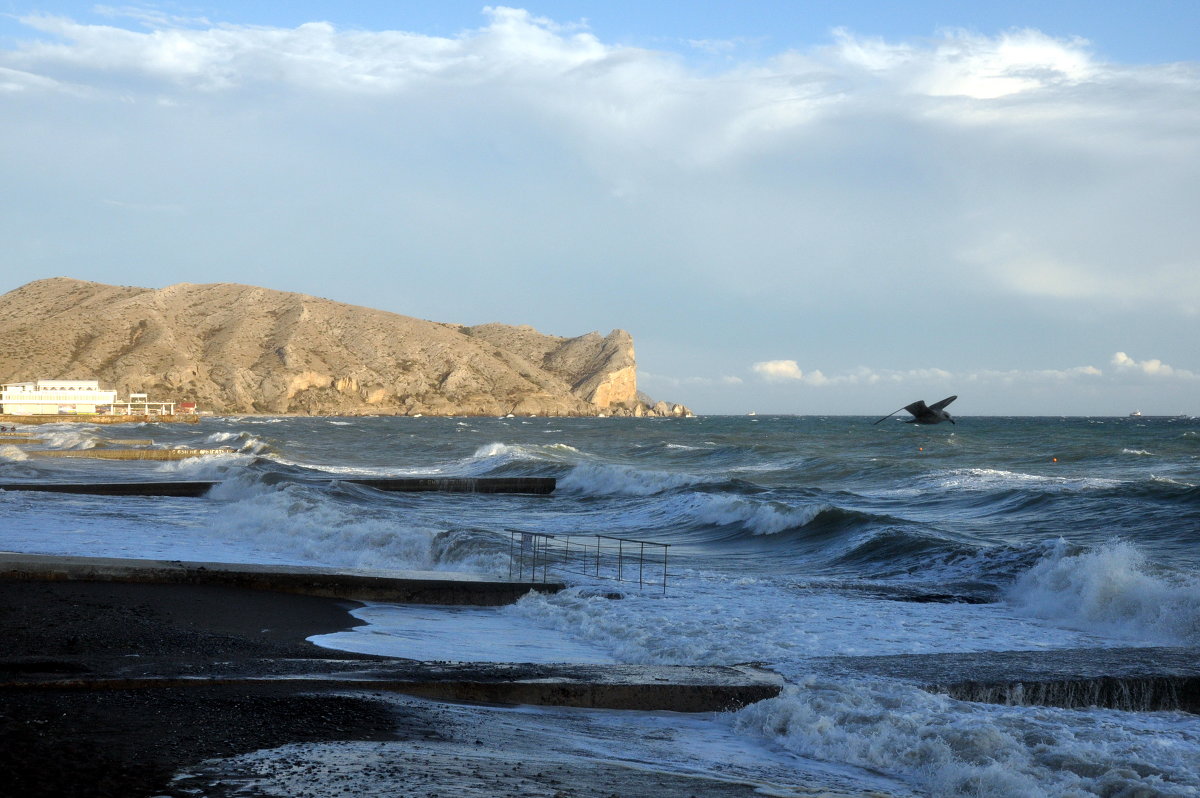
x=73, y=397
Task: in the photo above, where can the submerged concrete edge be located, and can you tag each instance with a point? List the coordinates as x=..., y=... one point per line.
x=678, y=688
x=397, y=587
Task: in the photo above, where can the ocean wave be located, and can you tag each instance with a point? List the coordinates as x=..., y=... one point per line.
x=307, y=523
x=73, y=438
x=898, y=551
x=952, y=748
x=1113, y=590
x=208, y=467
x=756, y=516
x=605, y=479
x=13, y=454
x=991, y=479
x=723, y=518
x=500, y=457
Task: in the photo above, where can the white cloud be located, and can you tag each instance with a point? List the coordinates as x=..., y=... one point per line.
x=776, y=370
x=789, y=370
x=1151, y=368
x=940, y=189
x=960, y=63
x=17, y=80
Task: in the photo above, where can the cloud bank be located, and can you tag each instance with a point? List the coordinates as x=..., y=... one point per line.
x=961, y=200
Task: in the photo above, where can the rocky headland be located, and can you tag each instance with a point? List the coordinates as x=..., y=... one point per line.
x=240, y=349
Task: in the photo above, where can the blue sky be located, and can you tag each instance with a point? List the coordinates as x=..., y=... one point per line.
x=810, y=208
x=1151, y=31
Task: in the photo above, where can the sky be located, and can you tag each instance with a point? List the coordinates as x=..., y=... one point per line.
x=811, y=208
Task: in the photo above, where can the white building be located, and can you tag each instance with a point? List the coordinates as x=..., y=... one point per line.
x=55, y=397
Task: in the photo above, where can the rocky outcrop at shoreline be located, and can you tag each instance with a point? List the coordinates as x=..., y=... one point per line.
x=240, y=349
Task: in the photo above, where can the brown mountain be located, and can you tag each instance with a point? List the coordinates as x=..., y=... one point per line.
x=240, y=349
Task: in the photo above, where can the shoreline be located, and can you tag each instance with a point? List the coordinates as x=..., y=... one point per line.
x=134, y=742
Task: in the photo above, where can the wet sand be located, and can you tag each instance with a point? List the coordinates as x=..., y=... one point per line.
x=131, y=742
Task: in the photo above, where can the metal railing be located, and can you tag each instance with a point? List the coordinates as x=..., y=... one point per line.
x=533, y=555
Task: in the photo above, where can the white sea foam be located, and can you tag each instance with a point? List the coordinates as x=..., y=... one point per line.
x=553, y=452
x=990, y=479
x=74, y=438
x=954, y=748
x=13, y=454
x=718, y=621
x=1140, y=452
x=208, y=467
x=302, y=524
x=1111, y=590
x=486, y=751
x=474, y=634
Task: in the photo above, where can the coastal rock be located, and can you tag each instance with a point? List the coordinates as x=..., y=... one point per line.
x=242, y=349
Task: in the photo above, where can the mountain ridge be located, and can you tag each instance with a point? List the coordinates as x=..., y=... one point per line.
x=236, y=348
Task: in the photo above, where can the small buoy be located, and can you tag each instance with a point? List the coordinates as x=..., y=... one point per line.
x=1054, y=459
x=920, y=448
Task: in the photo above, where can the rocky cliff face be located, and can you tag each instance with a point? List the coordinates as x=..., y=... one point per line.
x=240, y=349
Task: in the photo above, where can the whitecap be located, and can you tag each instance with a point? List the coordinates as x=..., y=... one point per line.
x=1111, y=590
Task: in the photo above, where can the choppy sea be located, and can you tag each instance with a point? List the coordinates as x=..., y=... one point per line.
x=792, y=540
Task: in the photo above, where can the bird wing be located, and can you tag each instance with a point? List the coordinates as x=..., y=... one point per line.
x=942, y=404
x=917, y=408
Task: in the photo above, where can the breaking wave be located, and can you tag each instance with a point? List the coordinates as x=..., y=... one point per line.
x=1113, y=590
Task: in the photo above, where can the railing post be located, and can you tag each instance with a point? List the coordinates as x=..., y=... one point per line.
x=666, y=549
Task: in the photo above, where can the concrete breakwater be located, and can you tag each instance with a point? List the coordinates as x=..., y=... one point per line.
x=194, y=488
x=675, y=688
x=402, y=587
x=1136, y=679
x=128, y=454
x=81, y=418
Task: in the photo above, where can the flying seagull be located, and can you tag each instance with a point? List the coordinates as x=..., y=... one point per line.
x=923, y=414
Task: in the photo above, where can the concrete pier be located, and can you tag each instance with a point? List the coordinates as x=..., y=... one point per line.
x=1134, y=679
x=530, y=485
x=401, y=587
x=676, y=688
x=129, y=454
x=172, y=488
x=185, y=418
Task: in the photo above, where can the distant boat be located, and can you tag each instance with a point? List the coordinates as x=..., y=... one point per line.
x=1135, y=413
x=752, y=413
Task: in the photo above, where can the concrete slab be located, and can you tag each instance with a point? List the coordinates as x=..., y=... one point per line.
x=128, y=454
x=529, y=485
x=192, y=488
x=1130, y=678
x=402, y=587
x=677, y=688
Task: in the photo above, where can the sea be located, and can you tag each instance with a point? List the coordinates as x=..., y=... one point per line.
x=809, y=545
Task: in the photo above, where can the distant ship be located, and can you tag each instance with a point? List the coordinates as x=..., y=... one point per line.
x=1135, y=413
